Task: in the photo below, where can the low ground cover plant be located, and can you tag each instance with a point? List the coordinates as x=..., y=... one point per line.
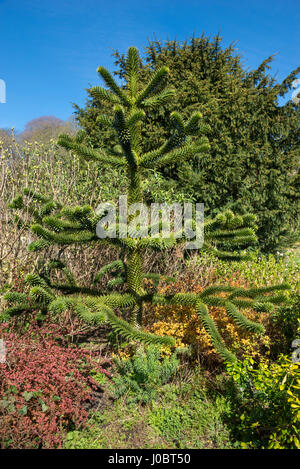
x=44, y=383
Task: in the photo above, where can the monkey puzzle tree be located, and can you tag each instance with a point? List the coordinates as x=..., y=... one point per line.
x=225, y=235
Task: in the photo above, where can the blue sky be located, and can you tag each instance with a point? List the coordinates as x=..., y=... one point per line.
x=50, y=50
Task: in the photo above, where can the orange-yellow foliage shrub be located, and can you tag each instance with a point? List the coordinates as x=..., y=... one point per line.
x=186, y=327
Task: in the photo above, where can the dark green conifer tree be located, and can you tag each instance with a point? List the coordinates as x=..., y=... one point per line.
x=225, y=235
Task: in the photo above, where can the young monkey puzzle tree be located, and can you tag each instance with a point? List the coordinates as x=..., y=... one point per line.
x=225, y=235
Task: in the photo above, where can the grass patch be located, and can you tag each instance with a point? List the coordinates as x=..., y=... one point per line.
x=183, y=416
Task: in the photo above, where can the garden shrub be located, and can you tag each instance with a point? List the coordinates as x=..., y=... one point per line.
x=43, y=385
x=142, y=376
x=266, y=407
x=183, y=323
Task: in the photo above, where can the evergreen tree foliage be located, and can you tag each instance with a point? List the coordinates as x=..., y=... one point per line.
x=226, y=235
x=253, y=162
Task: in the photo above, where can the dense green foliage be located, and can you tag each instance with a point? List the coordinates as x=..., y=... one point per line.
x=267, y=405
x=252, y=165
x=141, y=378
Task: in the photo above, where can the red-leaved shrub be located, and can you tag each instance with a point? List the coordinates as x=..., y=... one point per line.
x=43, y=384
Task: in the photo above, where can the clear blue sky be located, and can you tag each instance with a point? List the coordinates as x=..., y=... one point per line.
x=50, y=49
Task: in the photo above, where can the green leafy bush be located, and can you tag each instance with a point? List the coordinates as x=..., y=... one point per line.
x=266, y=406
x=142, y=376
